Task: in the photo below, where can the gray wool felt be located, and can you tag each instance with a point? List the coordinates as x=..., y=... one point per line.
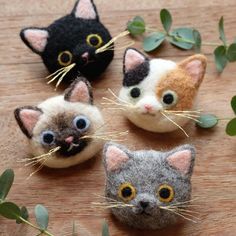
x=147, y=170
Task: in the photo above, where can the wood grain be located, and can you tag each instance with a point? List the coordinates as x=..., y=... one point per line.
x=68, y=193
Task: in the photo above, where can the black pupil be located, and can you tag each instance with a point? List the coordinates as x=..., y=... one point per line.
x=126, y=192
x=65, y=57
x=48, y=138
x=94, y=41
x=168, y=99
x=135, y=92
x=164, y=193
x=81, y=123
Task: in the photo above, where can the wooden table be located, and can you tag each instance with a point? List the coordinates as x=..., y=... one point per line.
x=68, y=193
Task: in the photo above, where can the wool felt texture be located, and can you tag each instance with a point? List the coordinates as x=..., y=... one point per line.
x=62, y=121
x=73, y=38
x=151, y=86
x=148, y=180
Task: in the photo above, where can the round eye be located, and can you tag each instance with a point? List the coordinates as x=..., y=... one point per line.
x=126, y=192
x=81, y=123
x=65, y=58
x=169, y=98
x=165, y=193
x=135, y=92
x=94, y=40
x=48, y=138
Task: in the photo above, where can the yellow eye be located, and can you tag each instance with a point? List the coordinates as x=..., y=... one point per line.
x=127, y=192
x=65, y=58
x=94, y=40
x=165, y=193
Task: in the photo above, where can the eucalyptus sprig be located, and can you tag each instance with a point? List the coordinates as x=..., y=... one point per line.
x=184, y=38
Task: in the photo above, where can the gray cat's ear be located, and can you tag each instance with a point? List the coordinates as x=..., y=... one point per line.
x=85, y=9
x=114, y=156
x=27, y=118
x=35, y=38
x=79, y=91
x=182, y=159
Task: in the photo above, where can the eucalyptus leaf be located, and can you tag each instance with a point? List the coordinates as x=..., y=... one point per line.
x=153, y=41
x=207, y=121
x=231, y=127
x=222, y=31
x=6, y=181
x=42, y=217
x=24, y=214
x=136, y=26
x=198, y=40
x=231, y=52
x=166, y=19
x=233, y=104
x=10, y=210
x=220, y=58
x=105, y=229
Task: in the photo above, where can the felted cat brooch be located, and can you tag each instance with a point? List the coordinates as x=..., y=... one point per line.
x=158, y=95
x=68, y=46
x=62, y=129
x=148, y=189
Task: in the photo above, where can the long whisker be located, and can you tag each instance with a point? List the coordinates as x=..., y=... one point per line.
x=185, y=116
x=49, y=76
x=119, y=99
x=174, y=111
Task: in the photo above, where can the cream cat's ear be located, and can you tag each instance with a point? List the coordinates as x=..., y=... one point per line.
x=79, y=91
x=182, y=159
x=35, y=38
x=85, y=9
x=195, y=66
x=27, y=118
x=114, y=156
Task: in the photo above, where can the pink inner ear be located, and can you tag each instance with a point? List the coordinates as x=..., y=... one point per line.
x=181, y=161
x=115, y=158
x=37, y=38
x=80, y=93
x=85, y=10
x=195, y=70
x=133, y=59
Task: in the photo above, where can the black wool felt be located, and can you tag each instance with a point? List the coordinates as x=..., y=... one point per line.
x=70, y=33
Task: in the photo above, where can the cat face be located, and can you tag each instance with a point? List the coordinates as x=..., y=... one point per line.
x=63, y=121
x=148, y=181
x=151, y=87
x=72, y=39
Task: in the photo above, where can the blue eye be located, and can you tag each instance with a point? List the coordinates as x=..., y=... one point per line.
x=81, y=123
x=48, y=137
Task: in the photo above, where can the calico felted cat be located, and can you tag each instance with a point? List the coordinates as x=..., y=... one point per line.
x=144, y=188
x=73, y=38
x=63, y=121
x=157, y=94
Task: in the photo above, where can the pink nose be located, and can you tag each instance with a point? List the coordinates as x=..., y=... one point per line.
x=69, y=139
x=85, y=56
x=148, y=107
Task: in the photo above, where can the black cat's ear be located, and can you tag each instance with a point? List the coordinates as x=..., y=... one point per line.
x=27, y=118
x=35, y=38
x=79, y=91
x=85, y=9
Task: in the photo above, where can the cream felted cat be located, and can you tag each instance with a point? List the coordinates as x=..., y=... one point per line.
x=158, y=94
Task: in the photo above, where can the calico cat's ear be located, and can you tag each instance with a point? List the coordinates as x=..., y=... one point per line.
x=182, y=159
x=195, y=66
x=79, y=91
x=27, y=118
x=114, y=156
x=35, y=38
x=85, y=9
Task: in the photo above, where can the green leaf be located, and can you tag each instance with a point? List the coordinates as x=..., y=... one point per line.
x=24, y=214
x=166, y=19
x=105, y=229
x=136, y=26
x=220, y=58
x=6, y=181
x=10, y=210
x=197, y=39
x=207, y=121
x=182, y=38
x=153, y=41
x=231, y=52
x=231, y=127
x=233, y=104
x=42, y=217
x=221, y=30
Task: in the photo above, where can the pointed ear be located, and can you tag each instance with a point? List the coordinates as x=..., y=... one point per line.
x=27, y=118
x=114, y=157
x=79, y=91
x=35, y=38
x=85, y=9
x=182, y=160
x=195, y=66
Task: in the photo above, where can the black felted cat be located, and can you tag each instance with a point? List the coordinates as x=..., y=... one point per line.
x=72, y=41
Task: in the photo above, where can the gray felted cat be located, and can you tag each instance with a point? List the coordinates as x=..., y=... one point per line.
x=148, y=189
